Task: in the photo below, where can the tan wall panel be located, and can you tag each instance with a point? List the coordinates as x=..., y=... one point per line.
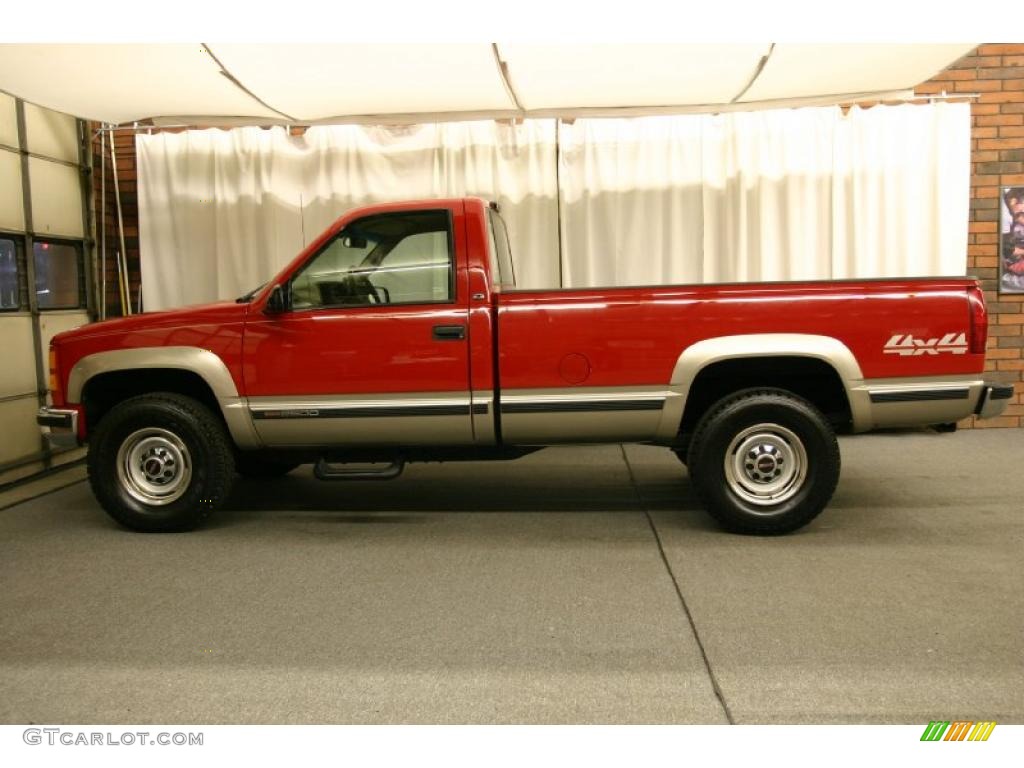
x=18, y=372
x=56, y=198
x=50, y=133
x=8, y=121
x=21, y=433
x=12, y=209
x=52, y=323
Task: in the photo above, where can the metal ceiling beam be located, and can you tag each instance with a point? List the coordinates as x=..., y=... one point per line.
x=905, y=95
x=757, y=73
x=505, y=78
x=238, y=84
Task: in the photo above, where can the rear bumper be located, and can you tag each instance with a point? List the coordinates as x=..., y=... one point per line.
x=994, y=399
x=898, y=403
x=61, y=425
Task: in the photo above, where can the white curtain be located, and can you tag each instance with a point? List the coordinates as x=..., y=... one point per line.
x=766, y=195
x=770, y=195
x=901, y=191
x=222, y=211
x=631, y=201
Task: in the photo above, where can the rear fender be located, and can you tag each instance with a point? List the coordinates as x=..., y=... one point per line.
x=704, y=353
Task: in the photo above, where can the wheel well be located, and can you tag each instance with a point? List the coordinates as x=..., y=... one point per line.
x=810, y=378
x=103, y=391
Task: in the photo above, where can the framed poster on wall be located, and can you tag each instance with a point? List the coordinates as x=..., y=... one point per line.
x=1011, y=241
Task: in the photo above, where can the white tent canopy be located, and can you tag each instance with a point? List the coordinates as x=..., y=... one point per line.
x=329, y=83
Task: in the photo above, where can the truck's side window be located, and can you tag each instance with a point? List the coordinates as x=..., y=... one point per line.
x=502, y=271
x=417, y=270
x=393, y=258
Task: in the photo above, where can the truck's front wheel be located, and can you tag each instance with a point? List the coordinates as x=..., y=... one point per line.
x=160, y=462
x=764, y=461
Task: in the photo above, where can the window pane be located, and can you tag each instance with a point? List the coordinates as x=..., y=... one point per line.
x=8, y=275
x=12, y=204
x=327, y=280
x=505, y=274
x=56, y=198
x=396, y=258
x=51, y=134
x=416, y=270
x=57, y=275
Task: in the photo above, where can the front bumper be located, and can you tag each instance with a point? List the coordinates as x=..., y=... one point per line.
x=62, y=424
x=994, y=399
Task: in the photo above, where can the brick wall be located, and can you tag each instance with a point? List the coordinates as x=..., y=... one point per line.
x=995, y=71
x=124, y=146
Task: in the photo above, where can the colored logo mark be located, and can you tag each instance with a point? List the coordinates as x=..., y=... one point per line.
x=958, y=730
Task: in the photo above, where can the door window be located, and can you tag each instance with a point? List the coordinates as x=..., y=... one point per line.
x=393, y=258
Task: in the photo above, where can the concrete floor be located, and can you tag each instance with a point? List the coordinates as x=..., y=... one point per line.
x=576, y=585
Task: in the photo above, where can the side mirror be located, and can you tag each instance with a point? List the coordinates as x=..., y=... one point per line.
x=277, y=303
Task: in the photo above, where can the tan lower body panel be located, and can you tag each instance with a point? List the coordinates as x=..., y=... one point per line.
x=888, y=403
x=581, y=415
x=528, y=417
x=436, y=418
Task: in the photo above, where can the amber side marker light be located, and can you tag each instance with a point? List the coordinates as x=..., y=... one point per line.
x=54, y=383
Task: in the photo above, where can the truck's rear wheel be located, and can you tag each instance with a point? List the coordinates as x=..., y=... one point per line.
x=160, y=462
x=764, y=461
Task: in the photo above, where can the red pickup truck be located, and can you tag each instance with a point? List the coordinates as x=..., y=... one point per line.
x=398, y=335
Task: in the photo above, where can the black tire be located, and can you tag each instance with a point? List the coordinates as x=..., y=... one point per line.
x=738, y=465
x=160, y=462
x=256, y=465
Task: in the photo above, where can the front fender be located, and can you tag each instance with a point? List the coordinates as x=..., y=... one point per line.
x=204, y=363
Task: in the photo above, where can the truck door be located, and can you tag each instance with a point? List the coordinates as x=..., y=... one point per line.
x=372, y=346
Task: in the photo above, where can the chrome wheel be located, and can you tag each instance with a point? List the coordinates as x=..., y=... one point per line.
x=765, y=464
x=154, y=466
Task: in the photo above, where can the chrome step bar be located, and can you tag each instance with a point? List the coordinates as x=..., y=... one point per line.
x=332, y=472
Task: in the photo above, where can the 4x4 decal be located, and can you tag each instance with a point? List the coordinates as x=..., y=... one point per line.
x=906, y=344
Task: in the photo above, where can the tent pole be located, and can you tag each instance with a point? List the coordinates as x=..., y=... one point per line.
x=103, y=225
x=126, y=305
x=120, y=282
x=126, y=294
x=558, y=199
